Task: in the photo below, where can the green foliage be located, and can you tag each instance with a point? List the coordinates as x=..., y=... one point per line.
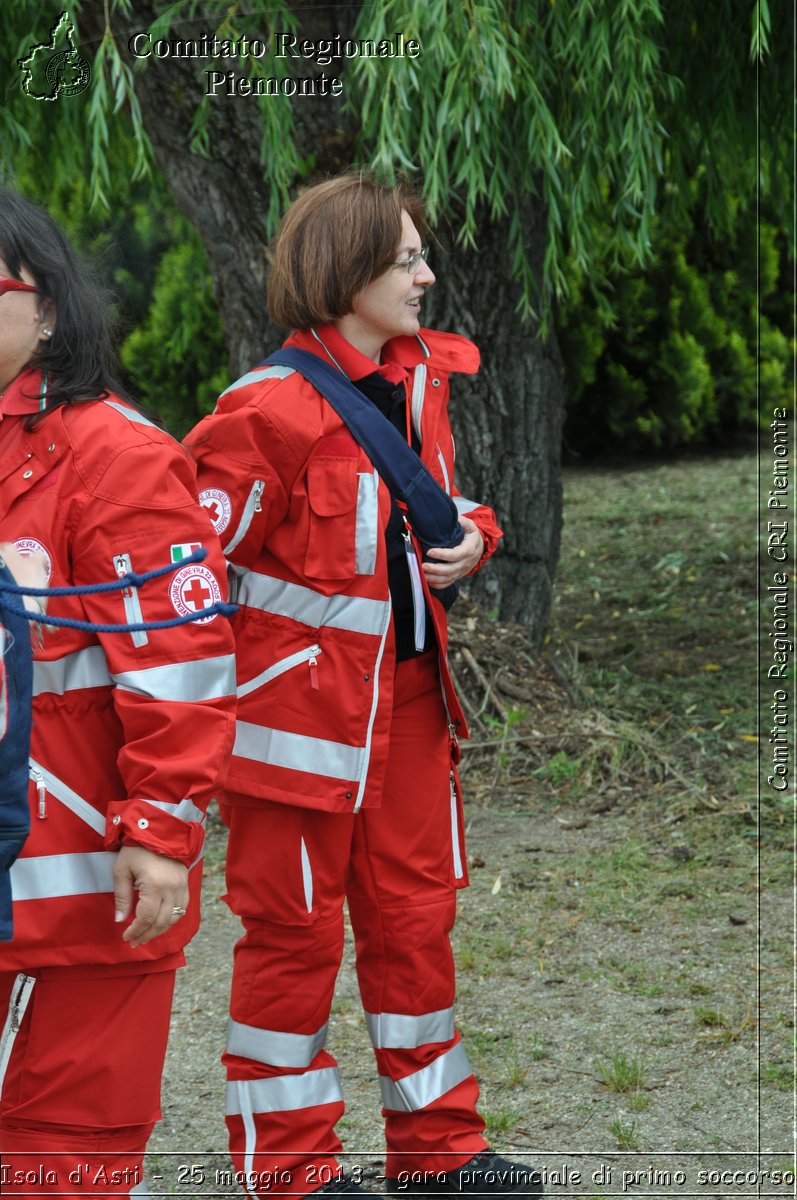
x=559, y=119
x=176, y=358
x=674, y=363
x=624, y=1133
x=579, y=108
x=621, y=1073
x=525, y=99
x=561, y=769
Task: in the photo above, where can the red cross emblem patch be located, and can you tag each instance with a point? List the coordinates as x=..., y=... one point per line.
x=193, y=589
x=218, y=507
x=28, y=546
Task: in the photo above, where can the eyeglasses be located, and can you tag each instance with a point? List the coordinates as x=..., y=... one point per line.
x=412, y=263
x=15, y=285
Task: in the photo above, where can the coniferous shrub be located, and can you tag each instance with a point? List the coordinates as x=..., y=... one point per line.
x=674, y=363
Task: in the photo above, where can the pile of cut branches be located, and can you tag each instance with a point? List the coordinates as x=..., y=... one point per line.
x=534, y=734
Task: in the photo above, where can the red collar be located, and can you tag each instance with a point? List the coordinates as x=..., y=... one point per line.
x=399, y=355
x=23, y=395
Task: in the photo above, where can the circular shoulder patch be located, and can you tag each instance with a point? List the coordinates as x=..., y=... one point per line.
x=193, y=589
x=219, y=507
x=29, y=546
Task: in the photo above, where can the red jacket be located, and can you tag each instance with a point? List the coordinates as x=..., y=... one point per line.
x=301, y=513
x=131, y=732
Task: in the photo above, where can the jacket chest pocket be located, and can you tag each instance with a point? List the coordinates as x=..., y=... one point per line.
x=342, y=520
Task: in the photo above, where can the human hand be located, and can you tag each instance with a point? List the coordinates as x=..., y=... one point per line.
x=162, y=885
x=443, y=567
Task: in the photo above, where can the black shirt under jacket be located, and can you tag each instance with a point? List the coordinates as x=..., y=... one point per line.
x=391, y=400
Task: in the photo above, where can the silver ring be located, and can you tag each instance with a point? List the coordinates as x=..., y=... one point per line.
x=178, y=912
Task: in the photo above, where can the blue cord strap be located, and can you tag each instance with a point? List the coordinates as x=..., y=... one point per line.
x=131, y=579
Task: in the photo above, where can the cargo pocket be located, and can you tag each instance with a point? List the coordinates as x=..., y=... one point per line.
x=332, y=489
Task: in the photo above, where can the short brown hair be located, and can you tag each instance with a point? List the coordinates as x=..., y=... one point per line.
x=333, y=240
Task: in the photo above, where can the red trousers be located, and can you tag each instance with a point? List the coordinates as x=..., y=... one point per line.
x=81, y=1059
x=398, y=868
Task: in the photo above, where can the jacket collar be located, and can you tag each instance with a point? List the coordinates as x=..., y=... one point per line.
x=24, y=395
x=399, y=355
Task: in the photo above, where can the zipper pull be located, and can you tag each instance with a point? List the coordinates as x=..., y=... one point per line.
x=41, y=791
x=122, y=564
x=258, y=492
x=312, y=663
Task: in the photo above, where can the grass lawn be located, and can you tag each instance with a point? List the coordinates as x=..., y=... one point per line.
x=654, y=615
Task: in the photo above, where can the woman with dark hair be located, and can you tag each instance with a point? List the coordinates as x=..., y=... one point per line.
x=343, y=781
x=131, y=732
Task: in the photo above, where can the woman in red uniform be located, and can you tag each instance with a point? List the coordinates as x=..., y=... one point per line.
x=131, y=732
x=343, y=779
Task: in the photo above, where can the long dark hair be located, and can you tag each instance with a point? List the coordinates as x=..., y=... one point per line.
x=79, y=359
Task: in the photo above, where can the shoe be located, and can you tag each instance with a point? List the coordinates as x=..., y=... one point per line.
x=344, y=1187
x=485, y=1175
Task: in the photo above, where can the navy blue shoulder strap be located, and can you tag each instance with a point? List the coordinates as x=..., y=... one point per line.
x=433, y=514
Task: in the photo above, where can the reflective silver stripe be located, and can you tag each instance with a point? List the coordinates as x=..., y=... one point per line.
x=250, y=508
x=444, y=469
x=257, y=376
x=132, y=415
x=205, y=679
x=309, y=607
x=372, y=717
x=186, y=810
x=270, y=1046
x=297, y=752
x=250, y=1135
x=71, y=800
x=418, y=390
x=82, y=669
x=17, y=1003
x=285, y=1093
x=464, y=505
x=458, y=870
x=278, y=668
x=415, y=1091
x=367, y=525
x=62, y=875
x=307, y=877
x=397, y=1031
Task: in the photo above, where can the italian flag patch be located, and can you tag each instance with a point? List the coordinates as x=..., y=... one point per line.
x=184, y=550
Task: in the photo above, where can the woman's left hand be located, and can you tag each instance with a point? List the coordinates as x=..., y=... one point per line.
x=444, y=567
x=162, y=893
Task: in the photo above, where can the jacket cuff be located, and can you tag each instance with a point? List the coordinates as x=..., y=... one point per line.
x=172, y=830
x=488, y=550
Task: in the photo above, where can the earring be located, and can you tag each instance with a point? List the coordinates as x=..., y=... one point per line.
x=47, y=332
